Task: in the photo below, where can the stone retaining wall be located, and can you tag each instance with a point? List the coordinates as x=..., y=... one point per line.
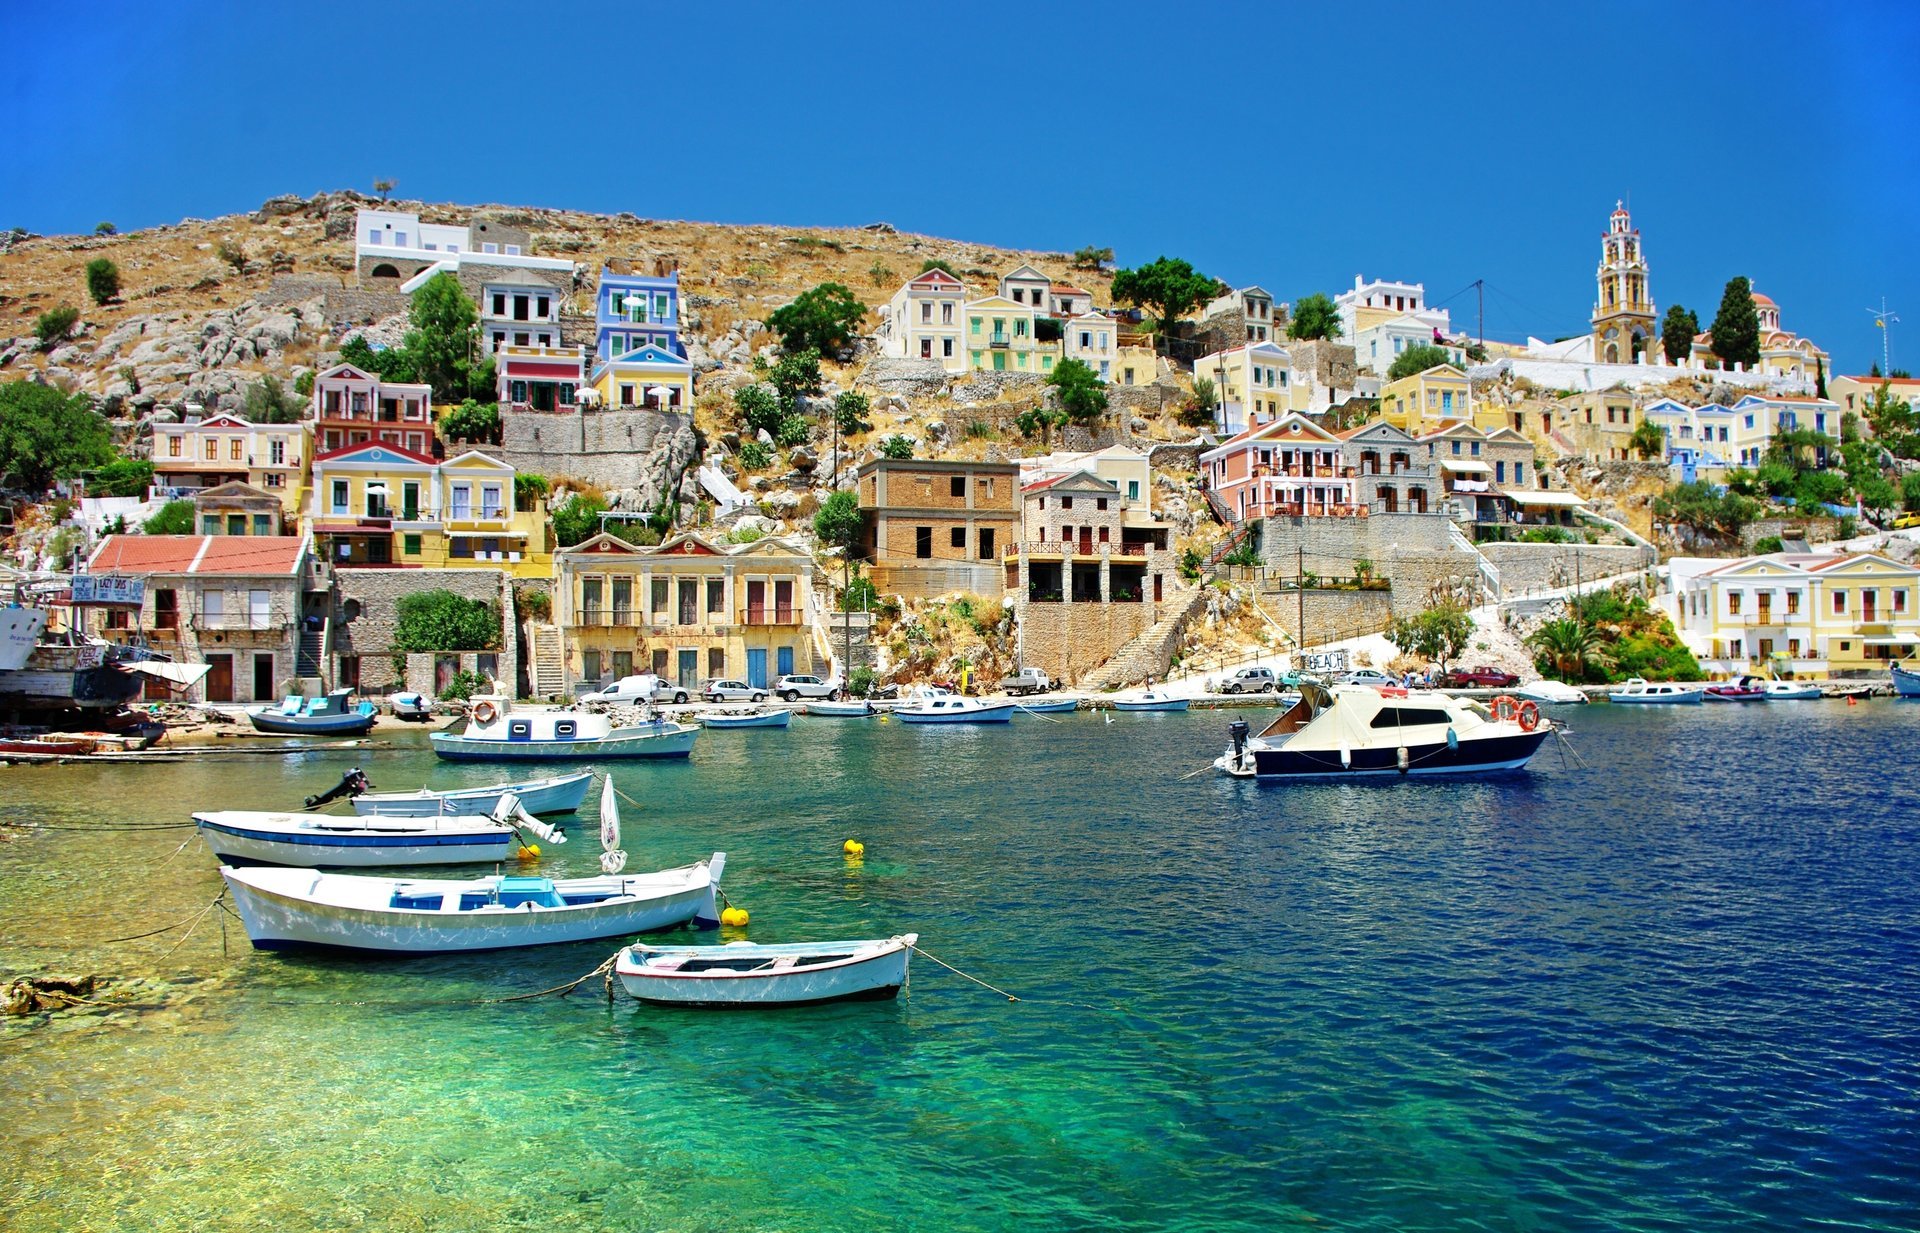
x=372, y=597
x=611, y=447
x=1330, y=615
x=1536, y=567
x=1071, y=640
x=1414, y=551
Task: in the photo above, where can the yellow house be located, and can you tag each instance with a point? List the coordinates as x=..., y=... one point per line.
x=1418, y=404
x=381, y=504
x=226, y=449
x=1000, y=337
x=1799, y=613
x=688, y=610
x=651, y=377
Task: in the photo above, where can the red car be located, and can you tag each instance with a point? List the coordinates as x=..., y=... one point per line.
x=1478, y=678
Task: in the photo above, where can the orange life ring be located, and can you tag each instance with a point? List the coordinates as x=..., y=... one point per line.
x=485, y=712
x=1506, y=708
x=1529, y=715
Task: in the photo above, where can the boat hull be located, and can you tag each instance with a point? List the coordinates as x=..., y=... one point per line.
x=841, y=710
x=317, y=725
x=1794, y=695
x=461, y=748
x=1484, y=756
x=562, y=794
x=1061, y=706
x=772, y=719
x=277, y=918
x=1170, y=706
x=985, y=715
x=1905, y=684
x=874, y=977
x=1690, y=698
x=304, y=843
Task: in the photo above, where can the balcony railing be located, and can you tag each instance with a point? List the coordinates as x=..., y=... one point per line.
x=558, y=408
x=228, y=622
x=593, y=614
x=623, y=615
x=773, y=616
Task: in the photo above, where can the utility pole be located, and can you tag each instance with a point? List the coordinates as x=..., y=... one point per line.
x=1480, y=285
x=1882, y=319
x=1300, y=585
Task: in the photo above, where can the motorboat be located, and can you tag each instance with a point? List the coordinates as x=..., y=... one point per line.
x=769, y=717
x=1790, y=691
x=412, y=706
x=1641, y=692
x=848, y=709
x=1906, y=682
x=1052, y=706
x=557, y=794
x=331, y=715
x=306, y=840
x=298, y=908
x=929, y=704
x=1150, y=700
x=743, y=975
x=1745, y=689
x=495, y=731
x=1345, y=730
x=20, y=630
x=1551, y=693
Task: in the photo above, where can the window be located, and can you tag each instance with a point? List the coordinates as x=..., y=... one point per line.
x=716, y=661
x=926, y=314
x=973, y=325
x=233, y=450
x=986, y=543
x=1499, y=472
x=1407, y=717
x=1839, y=602
x=1900, y=599
x=1100, y=503
x=173, y=447
x=236, y=524
x=490, y=501
x=1733, y=603
x=209, y=524
x=513, y=250
x=543, y=307
x=590, y=665
x=462, y=501
x=658, y=595
x=339, y=502
x=1133, y=490
x=946, y=314
x=277, y=453
x=958, y=537
x=462, y=548
x=211, y=450
x=1793, y=602
x=923, y=542
x=410, y=545
x=957, y=486
x=946, y=347
x=1518, y=478
x=926, y=348
x=716, y=596
x=499, y=304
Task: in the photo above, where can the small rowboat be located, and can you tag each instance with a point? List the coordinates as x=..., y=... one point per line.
x=328, y=716
x=1790, y=691
x=841, y=710
x=1058, y=706
x=771, y=718
x=413, y=707
x=306, y=840
x=556, y=794
x=1906, y=682
x=298, y=908
x=1150, y=700
x=743, y=975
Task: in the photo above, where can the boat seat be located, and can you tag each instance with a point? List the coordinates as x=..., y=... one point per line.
x=784, y=961
x=667, y=963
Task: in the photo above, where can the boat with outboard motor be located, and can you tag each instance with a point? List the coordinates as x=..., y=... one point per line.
x=929, y=704
x=1342, y=730
x=765, y=717
x=858, y=708
x=1745, y=689
x=556, y=794
x=411, y=706
x=1150, y=700
x=1791, y=691
x=1640, y=692
x=1049, y=706
x=1906, y=681
x=331, y=715
x=495, y=731
x=306, y=840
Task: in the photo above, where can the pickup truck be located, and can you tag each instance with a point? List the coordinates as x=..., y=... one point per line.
x=1478, y=678
x=633, y=690
x=1026, y=681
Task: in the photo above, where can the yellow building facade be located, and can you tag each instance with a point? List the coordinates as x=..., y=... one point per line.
x=376, y=504
x=1000, y=337
x=1801, y=614
x=1419, y=404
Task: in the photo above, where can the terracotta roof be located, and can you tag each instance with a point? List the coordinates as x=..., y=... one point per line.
x=1070, y=287
x=1760, y=298
x=198, y=554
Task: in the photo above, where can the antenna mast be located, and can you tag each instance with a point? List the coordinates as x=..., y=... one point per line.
x=1883, y=319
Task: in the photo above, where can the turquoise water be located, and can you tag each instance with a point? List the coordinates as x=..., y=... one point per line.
x=1674, y=990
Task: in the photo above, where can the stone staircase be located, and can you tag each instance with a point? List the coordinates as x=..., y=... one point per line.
x=1151, y=653
x=548, y=670
x=311, y=656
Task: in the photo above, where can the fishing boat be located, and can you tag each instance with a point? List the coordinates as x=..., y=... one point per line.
x=558, y=794
x=298, y=908
x=771, y=717
x=852, y=709
x=1906, y=682
x=305, y=840
x=415, y=708
x=1789, y=691
x=1052, y=706
x=1644, y=693
x=1149, y=700
x=1551, y=693
x=1746, y=689
x=20, y=630
x=46, y=745
x=746, y=975
x=332, y=715
x=495, y=732
x=928, y=704
x=1348, y=730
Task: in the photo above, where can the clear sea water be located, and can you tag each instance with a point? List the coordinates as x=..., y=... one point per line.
x=1674, y=990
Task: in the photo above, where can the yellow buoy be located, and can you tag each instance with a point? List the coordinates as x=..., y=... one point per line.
x=853, y=847
x=529, y=853
x=734, y=916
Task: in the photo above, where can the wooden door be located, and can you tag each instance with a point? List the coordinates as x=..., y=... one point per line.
x=219, y=678
x=756, y=602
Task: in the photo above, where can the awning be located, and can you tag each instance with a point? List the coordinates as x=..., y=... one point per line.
x=1537, y=497
x=1461, y=464
x=1909, y=640
x=180, y=676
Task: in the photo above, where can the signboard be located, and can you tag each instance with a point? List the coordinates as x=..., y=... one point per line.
x=1326, y=663
x=108, y=589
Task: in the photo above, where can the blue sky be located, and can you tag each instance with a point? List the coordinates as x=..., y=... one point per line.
x=1291, y=146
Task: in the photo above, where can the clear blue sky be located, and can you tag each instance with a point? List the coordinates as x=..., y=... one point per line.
x=1294, y=146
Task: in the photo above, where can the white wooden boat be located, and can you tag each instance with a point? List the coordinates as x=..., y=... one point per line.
x=1149, y=700
x=1552, y=693
x=855, y=709
x=1648, y=693
x=1790, y=691
x=555, y=794
x=413, y=707
x=1052, y=706
x=936, y=706
x=297, y=908
x=306, y=840
x=495, y=732
x=744, y=975
x=772, y=717
x=1349, y=730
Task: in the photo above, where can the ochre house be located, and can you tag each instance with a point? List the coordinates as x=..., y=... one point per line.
x=378, y=504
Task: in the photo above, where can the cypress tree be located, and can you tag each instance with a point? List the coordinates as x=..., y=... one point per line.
x=1736, y=329
x=1677, y=331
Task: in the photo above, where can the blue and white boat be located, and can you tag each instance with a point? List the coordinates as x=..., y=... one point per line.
x=558, y=794
x=930, y=705
x=1349, y=730
x=1150, y=700
x=1052, y=706
x=1655, y=693
x=285, y=909
x=1790, y=691
x=773, y=717
x=305, y=840
x=412, y=706
x=752, y=975
x=495, y=732
x=1906, y=682
x=858, y=708
x=332, y=715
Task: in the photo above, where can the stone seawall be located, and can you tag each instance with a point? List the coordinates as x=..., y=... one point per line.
x=1526, y=568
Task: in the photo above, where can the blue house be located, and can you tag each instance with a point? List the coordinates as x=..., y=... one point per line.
x=632, y=311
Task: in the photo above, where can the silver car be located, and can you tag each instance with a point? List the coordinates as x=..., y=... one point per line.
x=794, y=687
x=732, y=691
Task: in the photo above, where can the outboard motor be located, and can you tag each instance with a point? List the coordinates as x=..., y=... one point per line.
x=1237, y=733
x=353, y=783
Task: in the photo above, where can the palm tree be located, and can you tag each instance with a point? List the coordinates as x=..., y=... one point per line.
x=1571, y=646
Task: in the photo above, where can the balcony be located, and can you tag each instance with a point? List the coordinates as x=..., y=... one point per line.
x=621, y=615
x=558, y=408
x=593, y=614
x=234, y=622
x=1000, y=341
x=773, y=616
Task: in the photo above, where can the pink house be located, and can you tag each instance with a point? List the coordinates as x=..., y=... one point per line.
x=1289, y=466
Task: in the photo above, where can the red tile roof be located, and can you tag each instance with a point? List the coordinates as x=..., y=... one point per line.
x=277, y=555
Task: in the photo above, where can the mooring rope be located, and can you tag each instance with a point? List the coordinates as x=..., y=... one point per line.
x=957, y=972
x=166, y=928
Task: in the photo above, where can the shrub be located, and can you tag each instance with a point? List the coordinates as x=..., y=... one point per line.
x=1416, y=359
x=860, y=681
x=55, y=324
x=860, y=595
x=759, y=409
x=880, y=272
x=1768, y=543
x=793, y=431
x=105, y=229
x=103, y=280
x=268, y=402
x=472, y=421
x=850, y=409
x=439, y=620
x=897, y=446
x=578, y=520
x=464, y=685
x=1247, y=556
x=173, y=518
x=754, y=456
x=1083, y=395
x=1190, y=563
x=123, y=477
x=1545, y=535
x=303, y=384
x=528, y=489
x=232, y=252
x=824, y=320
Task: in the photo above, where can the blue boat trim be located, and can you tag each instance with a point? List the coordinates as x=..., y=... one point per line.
x=410, y=839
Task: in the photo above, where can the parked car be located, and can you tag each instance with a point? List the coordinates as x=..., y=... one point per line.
x=632, y=690
x=1478, y=678
x=1026, y=681
x=1250, y=681
x=731, y=691
x=1905, y=521
x=1366, y=676
x=796, y=686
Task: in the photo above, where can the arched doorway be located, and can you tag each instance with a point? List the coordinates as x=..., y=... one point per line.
x=384, y=270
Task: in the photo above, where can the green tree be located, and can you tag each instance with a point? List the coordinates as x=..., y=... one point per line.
x=47, y=435
x=824, y=320
x=1647, y=440
x=1168, y=287
x=880, y=273
x=1802, y=449
x=759, y=408
x=528, y=491
x=1083, y=395
x=1910, y=491
x=1041, y=421
x=303, y=384
x=850, y=409
x=896, y=447
x=439, y=620
x=1819, y=378
x=122, y=477
x=1677, y=333
x=173, y=518
x=1877, y=495
x=1700, y=506
x=1570, y=650
x=838, y=521
x=268, y=402
x=1314, y=316
x=384, y=188
x=795, y=375
x=389, y=363
x=55, y=324
x=1736, y=328
x=103, y=280
x=1438, y=635
x=1768, y=543
x=1417, y=359
x=1893, y=421
x=1091, y=258
x=472, y=421
x=938, y=263
x=1198, y=410
x=442, y=344
x=105, y=229
x=578, y=520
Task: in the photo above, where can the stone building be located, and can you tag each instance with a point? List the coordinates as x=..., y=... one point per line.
x=935, y=527
x=1625, y=326
x=1390, y=472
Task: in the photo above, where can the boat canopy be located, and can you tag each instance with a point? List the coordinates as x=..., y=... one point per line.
x=180, y=676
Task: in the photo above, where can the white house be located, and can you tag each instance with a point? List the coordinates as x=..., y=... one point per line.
x=925, y=320
x=1374, y=301
x=1253, y=382
x=1093, y=339
x=519, y=313
x=1026, y=286
x=401, y=234
x=1376, y=347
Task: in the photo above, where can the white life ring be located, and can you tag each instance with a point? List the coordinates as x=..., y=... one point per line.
x=485, y=712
